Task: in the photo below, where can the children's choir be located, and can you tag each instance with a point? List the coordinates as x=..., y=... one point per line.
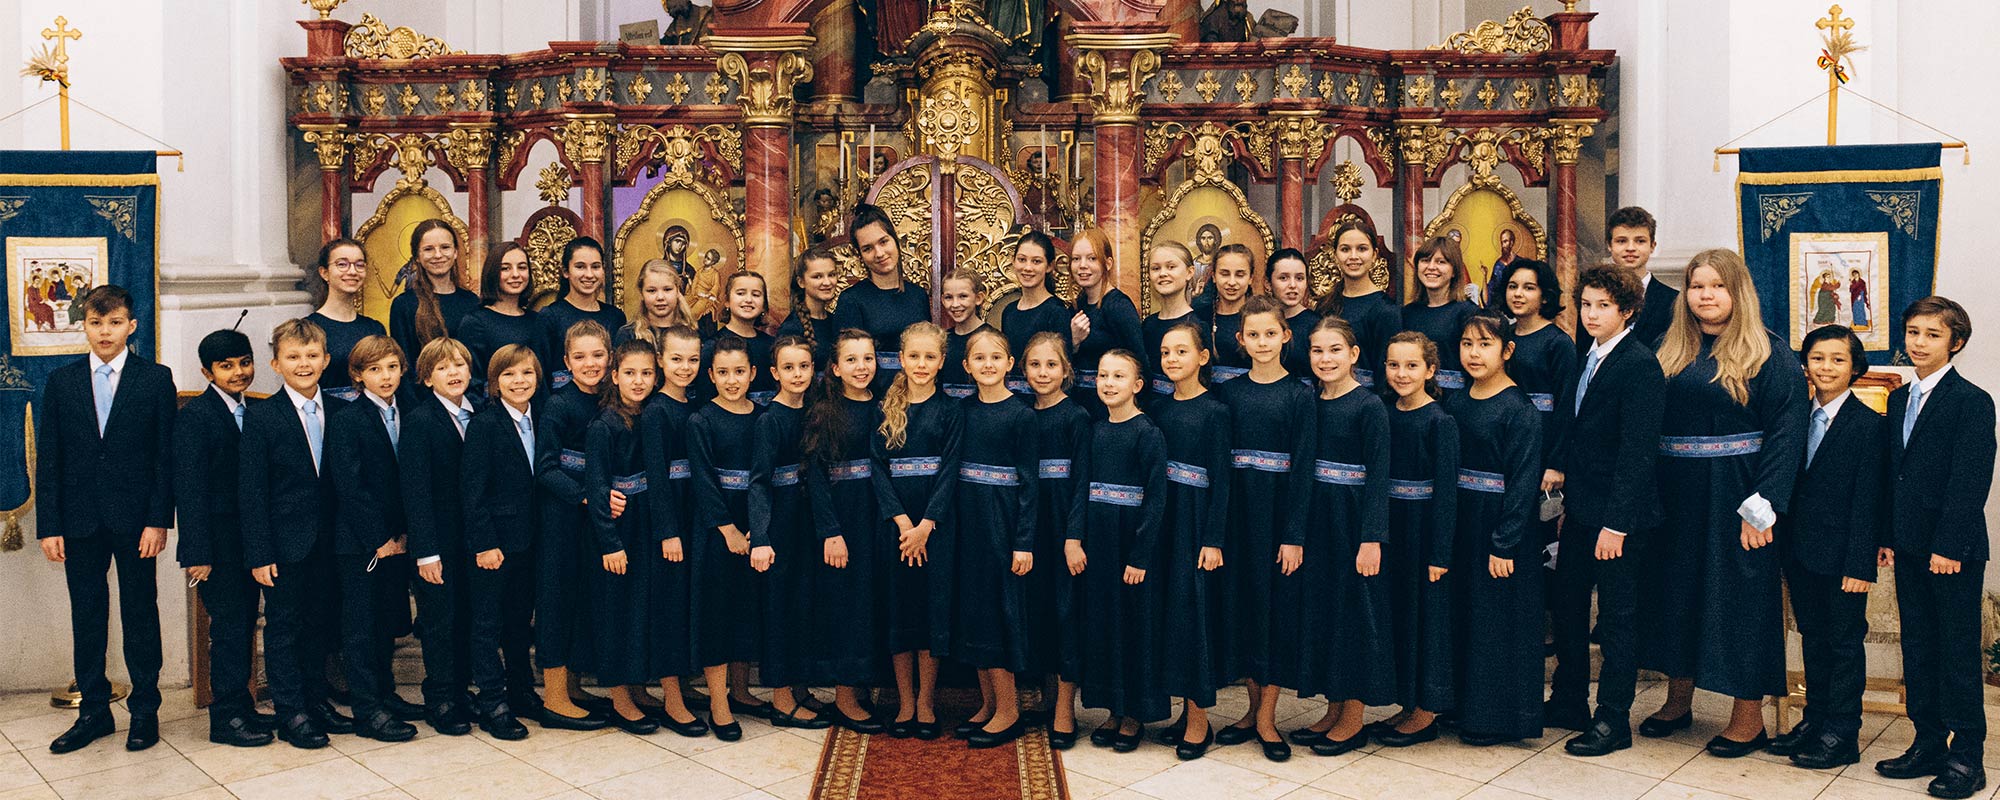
x=1354, y=501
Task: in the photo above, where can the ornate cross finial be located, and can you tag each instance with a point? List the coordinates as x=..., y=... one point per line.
x=62, y=33
x=1832, y=22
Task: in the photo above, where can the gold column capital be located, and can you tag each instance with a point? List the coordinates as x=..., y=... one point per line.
x=767, y=70
x=1116, y=76
x=329, y=143
x=586, y=138
x=1298, y=134
x=1423, y=142
x=1566, y=139
x=469, y=145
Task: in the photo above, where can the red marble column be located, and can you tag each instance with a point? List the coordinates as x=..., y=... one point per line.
x=478, y=221
x=833, y=53
x=332, y=201
x=1562, y=212
x=767, y=183
x=1292, y=203
x=1116, y=154
x=596, y=195
x=1411, y=223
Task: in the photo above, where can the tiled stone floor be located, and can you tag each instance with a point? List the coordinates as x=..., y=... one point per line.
x=770, y=763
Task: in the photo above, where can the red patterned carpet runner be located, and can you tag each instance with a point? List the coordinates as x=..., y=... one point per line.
x=857, y=767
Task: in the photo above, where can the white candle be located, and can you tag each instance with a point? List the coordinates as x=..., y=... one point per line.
x=871, y=151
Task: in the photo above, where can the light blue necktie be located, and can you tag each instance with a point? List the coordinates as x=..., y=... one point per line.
x=1589, y=369
x=1910, y=412
x=100, y=390
x=1815, y=434
x=237, y=412
x=527, y=436
x=315, y=430
x=389, y=422
x=464, y=419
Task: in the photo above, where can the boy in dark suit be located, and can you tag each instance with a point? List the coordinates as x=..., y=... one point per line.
x=1631, y=234
x=206, y=437
x=432, y=449
x=1828, y=542
x=369, y=541
x=1608, y=429
x=500, y=525
x=107, y=494
x=287, y=506
x=1940, y=446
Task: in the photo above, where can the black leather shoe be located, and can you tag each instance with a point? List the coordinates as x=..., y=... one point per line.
x=729, y=732
x=1276, y=750
x=1105, y=734
x=90, y=726
x=500, y=723
x=591, y=702
x=1959, y=780
x=781, y=719
x=1334, y=747
x=1573, y=716
x=1470, y=739
x=866, y=727
x=520, y=701
x=1800, y=737
x=237, y=732
x=1126, y=744
x=261, y=721
x=1189, y=751
x=1828, y=750
x=1723, y=747
x=966, y=728
x=590, y=721
x=144, y=732
x=1229, y=735
x=330, y=719
x=758, y=710
x=902, y=729
x=1062, y=740
x=1662, y=728
x=643, y=726
x=926, y=731
x=1378, y=727
x=446, y=718
x=1305, y=737
x=980, y=739
x=1173, y=732
x=383, y=726
x=1600, y=739
x=692, y=729
x=302, y=732
x=407, y=711
x=1921, y=760
x=1396, y=738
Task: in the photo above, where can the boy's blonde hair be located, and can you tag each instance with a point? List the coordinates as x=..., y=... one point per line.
x=440, y=351
x=296, y=331
x=370, y=350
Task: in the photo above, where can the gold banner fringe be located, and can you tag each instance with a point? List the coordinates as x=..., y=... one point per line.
x=12, y=539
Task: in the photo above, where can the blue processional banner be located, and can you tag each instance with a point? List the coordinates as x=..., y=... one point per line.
x=1841, y=235
x=69, y=221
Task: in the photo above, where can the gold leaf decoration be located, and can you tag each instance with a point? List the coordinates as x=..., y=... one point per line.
x=1295, y=81
x=372, y=100
x=1450, y=94
x=1523, y=32
x=554, y=183
x=590, y=87
x=536, y=94
x=716, y=89
x=1346, y=181
x=445, y=100
x=563, y=90
x=513, y=98
x=1207, y=86
x=640, y=88
x=1418, y=93
x=374, y=39
x=1170, y=87
x=1524, y=93
x=1328, y=86
x=1487, y=94
x=678, y=88
x=1353, y=90
x=474, y=95
x=1246, y=86
x=408, y=99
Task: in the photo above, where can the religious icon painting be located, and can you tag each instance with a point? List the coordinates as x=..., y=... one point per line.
x=1840, y=279
x=47, y=278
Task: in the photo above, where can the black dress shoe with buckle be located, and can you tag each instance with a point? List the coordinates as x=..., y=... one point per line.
x=1828, y=750
x=405, y=710
x=1396, y=738
x=1600, y=739
x=90, y=726
x=330, y=719
x=1652, y=728
x=1565, y=714
x=1921, y=760
x=237, y=732
x=446, y=718
x=1333, y=747
x=1189, y=751
x=144, y=732
x=499, y=723
x=590, y=721
x=383, y=726
x=1798, y=738
x=302, y=732
x=1960, y=779
x=1229, y=735
x=1725, y=747
x=791, y=719
x=981, y=739
x=1275, y=749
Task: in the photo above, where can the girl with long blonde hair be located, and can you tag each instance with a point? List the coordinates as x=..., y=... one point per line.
x=917, y=447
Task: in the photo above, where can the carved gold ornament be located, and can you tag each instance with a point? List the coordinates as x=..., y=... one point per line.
x=409, y=99
x=947, y=123
x=544, y=245
x=585, y=137
x=1246, y=86
x=324, y=7
x=444, y=98
x=1207, y=86
x=510, y=144
x=513, y=98
x=1346, y=182
x=678, y=88
x=1380, y=92
x=1424, y=143
x=536, y=94
x=365, y=147
x=906, y=199
x=322, y=97
x=1482, y=151
x=1580, y=90
x=677, y=151
x=373, y=99
x=1385, y=144
x=1299, y=137
x=1524, y=93
x=553, y=184
x=765, y=89
x=716, y=88
x=639, y=88
x=329, y=145
x=1170, y=87
x=1328, y=86
x=1487, y=94
x=563, y=90
x=469, y=147
x=1353, y=90
x=1523, y=32
x=474, y=95
x=1117, y=85
x=374, y=39
x=1418, y=92
x=590, y=87
x=1450, y=94
x=1295, y=81
x=1531, y=144
x=412, y=158
x=1159, y=137
x=1566, y=139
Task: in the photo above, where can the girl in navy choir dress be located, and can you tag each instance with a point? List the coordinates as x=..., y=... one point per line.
x=781, y=522
x=1356, y=298
x=1730, y=446
x=1285, y=274
x=662, y=304
x=916, y=446
x=743, y=301
x=504, y=318
x=993, y=518
x=1062, y=428
x=1440, y=309
x=615, y=469
x=727, y=603
x=1272, y=436
x=1038, y=310
x=432, y=303
x=343, y=271
x=1343, y=614
x=566, y=555
x=961, y=298
x=577, y=298
x=1105, y=318
x=1498, y=613
x=885, y=303
x=814, y=288
x=1544, y=355
x=1423, y=520
x=843, y=563
x=663, y=436
x=1188, y=658
x=1170, y=268
x=1232, y=283
x=1112, y=544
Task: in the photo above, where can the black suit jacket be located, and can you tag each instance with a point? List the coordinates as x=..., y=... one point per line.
x=498, y=484
x=287, y=506
x=1938, y=501
x=1836, y=512
x=366, y=482
x=1607, y=450
x=205, y=490
x=120, y=482
x=431, y=453
x=1658, y=312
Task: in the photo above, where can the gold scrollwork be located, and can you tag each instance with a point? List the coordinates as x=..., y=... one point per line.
x=409, y=99
x=639, y=88
x=444, y=98
x=545, y=243
x=1327, y=86
x=373, y=99
x=716, y=89
x=906, y=199
x=984, y=228
x=1207, y=86
x=1530, y=142
x=1170, y=87
x=329, y=145
x=1117, y=85
x=510, y=143
x=474, y=94
x=1450, y=94
x=373, y=38
x=412, y=158
x=1385, y=145
x=122, y=212
x=1566, y=140
x=590, y=86
x=1295, y=81
x=1160, y=136
x=1580, y=90
x=728, y=143
x=678, y=88
x=1487, y=94
x=1418, y=92
x=469, y=147
x=678, y=152
x=1346, y=182
x=1523, y=32
x=1246, y=86
x=1352, y=90
x=563, y=89
x=553, y=184
x=765, y=88
x=365, y=147
x=1524, y=93
x=1482, y=151
x=1901, y=208
x=585, y=137
x=1299, y=137
x=536, y=94
x=1774, y=210
x=947, y=123
x=1423, y=143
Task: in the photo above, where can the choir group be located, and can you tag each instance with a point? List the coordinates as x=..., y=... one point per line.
x=1339, y=496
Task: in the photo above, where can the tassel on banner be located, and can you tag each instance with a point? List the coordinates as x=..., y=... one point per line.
x=11, y=538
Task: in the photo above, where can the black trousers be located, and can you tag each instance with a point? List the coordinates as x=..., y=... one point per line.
x=230, y=597
x=443, y=623
x=1941, y=660
x=1832, y=624
x=502, y=604
x=1578, y=571
x=298, y=633
x=370, y=604
x=85, y=563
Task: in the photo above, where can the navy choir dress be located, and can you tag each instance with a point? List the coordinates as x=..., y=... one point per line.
x=994, y=511
x=1444, y=325
x=952, y=377
x=663, y=437
x=555, y=320
x=1297, y=356
x=1228, y=361
x=1500, y=655
x=1114, y=325
x=1542, y=361
x=1153, y=330
x=923, y=476
x=566, y=553
x=1197, y=510
x=1118, y=518
x=728, y=602
x=1709, y=609
x=780, y=519
x=1061, y=431
x=845, y=617
x=1375, y=319
x=825, y=333
x=763, y=385
x=484, y=331
x=883, y=313
x=1343, y=618
x=340, y=340
x=614, y=460
x=1423, y=524
x=1273, y=431
x=1020, y=326
x=403, y=319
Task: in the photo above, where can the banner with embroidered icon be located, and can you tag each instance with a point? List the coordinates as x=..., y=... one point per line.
x=70, y=221
x=1840, y=235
